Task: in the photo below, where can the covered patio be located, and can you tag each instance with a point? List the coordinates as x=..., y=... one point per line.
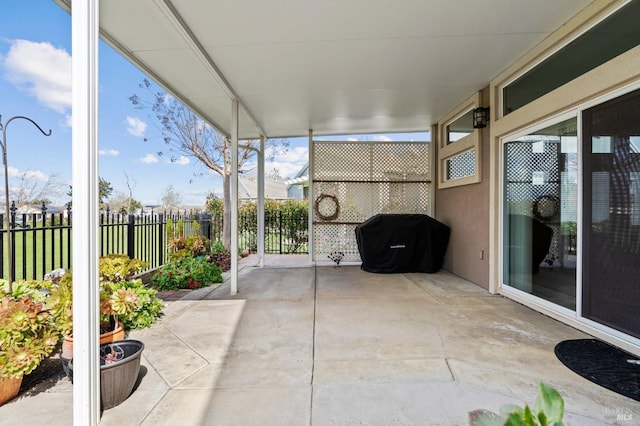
x=262, y=70
x=305, y=345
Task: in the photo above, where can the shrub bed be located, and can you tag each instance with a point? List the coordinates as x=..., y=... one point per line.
x=187, y=273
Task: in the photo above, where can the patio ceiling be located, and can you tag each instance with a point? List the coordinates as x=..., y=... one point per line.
x=334, y=66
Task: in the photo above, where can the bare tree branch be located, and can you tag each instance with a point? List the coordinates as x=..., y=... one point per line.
x=183, y=132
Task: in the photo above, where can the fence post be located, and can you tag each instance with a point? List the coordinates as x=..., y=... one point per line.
x=131, y=235
x=161, y=244
x=280, y=224
x=12, y=236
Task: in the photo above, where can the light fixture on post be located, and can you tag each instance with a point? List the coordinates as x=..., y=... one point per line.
x=480, y=117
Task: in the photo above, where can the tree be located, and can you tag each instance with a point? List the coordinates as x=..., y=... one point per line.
x=104, y=191
x=185, y=133
x=131, y=184
x=120, y=202
x=33, y=189
x=171, y=199
x=274, y=174
x=41, y=201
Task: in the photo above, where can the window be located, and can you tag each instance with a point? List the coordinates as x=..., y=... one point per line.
x=611, y=213
x=614, y=35
x=540, y=213
x=460, y=128
x=461, y=165
x=459, y=150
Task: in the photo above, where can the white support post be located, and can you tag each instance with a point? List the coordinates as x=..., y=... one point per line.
x=234, y=196
x=86, y=365
x=261, y=203
x=310, y=239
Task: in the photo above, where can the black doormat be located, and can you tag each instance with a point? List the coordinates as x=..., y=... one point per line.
x=603, y=364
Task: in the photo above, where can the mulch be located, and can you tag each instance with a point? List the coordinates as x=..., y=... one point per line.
x=172, y=295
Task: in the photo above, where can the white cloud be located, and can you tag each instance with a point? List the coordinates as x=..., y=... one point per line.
x=135, y=126
x=109, y=152
x=181, y=161
x=292, y=154
x=287, y=163
x=41, y=70
x=67, y=121
x=299, y=154
x=27, y=174
x=12, y=171
x=382, y=138
x=148, y=159
x=35, y=175
x=285, y=168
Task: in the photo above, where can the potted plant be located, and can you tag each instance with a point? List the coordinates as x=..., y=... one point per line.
x=119, y=370
x=61, y=304
x=27, y=335
x=124, y=304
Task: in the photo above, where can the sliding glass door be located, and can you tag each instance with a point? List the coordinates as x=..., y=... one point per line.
x=611, y=255
x=540, y=213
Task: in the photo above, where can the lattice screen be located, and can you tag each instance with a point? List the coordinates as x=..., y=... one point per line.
x=532, y=173
x=353, y=181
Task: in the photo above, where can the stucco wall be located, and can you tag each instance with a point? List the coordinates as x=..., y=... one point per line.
x=466, y=210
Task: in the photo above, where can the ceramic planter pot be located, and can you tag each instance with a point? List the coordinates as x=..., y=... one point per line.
x=119, y=370
x=110, y=336
x=9, y=388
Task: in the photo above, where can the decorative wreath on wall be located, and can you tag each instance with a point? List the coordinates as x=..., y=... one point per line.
x=327, y=207
x=546, y=207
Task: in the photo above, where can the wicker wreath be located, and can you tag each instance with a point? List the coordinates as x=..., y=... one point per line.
x=336, y=206
x=546, y=207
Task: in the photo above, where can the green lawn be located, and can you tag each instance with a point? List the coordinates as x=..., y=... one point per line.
x=42, y=249
x=38, y=250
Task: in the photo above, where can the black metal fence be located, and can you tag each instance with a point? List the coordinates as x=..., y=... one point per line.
x=42, y=241
x=285, y=233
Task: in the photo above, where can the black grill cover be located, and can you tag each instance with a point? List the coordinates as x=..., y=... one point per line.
x=393, y=243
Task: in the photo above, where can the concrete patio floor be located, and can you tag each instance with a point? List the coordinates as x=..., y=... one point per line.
x=334, y=345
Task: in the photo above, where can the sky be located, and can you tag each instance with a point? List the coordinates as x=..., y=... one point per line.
x=35, y=81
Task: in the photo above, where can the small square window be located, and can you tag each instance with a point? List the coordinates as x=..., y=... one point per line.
x=461, y=165
x=461, y=127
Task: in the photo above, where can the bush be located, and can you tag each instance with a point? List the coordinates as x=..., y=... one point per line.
x=289, y=217
x=27, y=335
x=181, y=246
x=188, y=272
x=121, y=297
x=145, y=309
x=220, y=256
x=119, y=267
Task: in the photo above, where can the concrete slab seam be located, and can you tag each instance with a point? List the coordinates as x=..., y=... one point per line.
x=313, y=342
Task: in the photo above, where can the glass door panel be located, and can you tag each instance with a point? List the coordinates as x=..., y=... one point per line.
x=540, y=213
x=611, y=256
